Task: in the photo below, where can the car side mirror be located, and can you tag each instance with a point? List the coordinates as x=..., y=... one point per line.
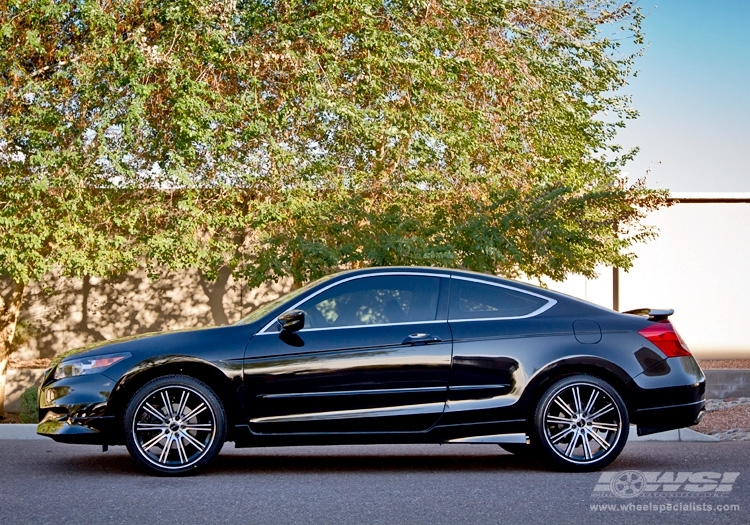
x=292, y=320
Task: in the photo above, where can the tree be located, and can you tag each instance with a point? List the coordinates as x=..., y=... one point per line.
x=294, y=137
x=91, y=231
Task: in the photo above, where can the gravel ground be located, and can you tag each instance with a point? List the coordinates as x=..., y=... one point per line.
x=726, y=419
x=707, y=364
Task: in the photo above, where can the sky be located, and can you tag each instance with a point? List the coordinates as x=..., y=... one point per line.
x=693, y=94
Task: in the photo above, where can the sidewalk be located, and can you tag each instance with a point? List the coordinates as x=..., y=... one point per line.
x=15, y=431
x=681, y=434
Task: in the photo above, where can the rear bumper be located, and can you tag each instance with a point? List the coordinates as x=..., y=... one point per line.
x=660, y=419
x=673, y=398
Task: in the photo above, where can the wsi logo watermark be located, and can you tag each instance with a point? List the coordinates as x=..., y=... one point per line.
x=634, y=483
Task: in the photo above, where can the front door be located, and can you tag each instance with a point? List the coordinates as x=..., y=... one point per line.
x=373, y=356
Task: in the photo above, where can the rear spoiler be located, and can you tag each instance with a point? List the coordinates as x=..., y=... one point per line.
x=651, y=313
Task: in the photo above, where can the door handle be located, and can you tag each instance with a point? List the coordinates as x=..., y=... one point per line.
x=420, y=339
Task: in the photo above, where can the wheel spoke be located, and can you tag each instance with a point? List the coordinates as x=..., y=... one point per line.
x=605, y=410
x=558, y=437
x=612, y=427
x=560, y=420
x=190, y=439
x=572, y=444
x=154, y=412
x=590, y=404
x=167, y=404
x=564, y=407
x=197, y=410
x=577, y=400
x=198, y=427
x=145, y=427
x=585, y=444
x=165, y=451
x=599, y=439
x=181, y=449
x=153, y=441
x=183, y=402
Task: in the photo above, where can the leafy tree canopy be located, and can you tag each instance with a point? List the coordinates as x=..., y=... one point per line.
x=315, y=133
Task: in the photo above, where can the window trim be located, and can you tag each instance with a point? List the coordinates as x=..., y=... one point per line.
x=266, y=329
x=550, y=302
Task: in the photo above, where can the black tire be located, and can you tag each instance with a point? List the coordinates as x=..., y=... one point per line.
x=174, y=425
x=581, y=424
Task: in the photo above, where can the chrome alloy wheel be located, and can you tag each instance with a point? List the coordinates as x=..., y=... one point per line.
x=174, y=425
x=583, y=423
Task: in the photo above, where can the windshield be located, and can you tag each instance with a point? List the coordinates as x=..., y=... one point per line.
x=264, y=309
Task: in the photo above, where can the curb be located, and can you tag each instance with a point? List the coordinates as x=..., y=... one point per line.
x=19, y=431
x=682, y=434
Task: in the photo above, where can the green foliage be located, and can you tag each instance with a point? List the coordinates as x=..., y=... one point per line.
x=30, y=405
x=281, y=137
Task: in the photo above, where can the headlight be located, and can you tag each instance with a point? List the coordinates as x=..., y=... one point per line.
x=88, y=365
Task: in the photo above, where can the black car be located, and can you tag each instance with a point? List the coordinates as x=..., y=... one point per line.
x=385, y=355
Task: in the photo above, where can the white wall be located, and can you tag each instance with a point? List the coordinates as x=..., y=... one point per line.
x=699, y=266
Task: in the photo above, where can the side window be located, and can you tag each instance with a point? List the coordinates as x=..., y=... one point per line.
x=472, y=300
x=374, y=300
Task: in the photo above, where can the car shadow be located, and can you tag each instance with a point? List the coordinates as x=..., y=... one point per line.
x=348, y=459
x=291, y=461
x=368, y=463
x=329, y=460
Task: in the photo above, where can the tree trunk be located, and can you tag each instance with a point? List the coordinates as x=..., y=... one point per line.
x=215, y=292
x=10, y=308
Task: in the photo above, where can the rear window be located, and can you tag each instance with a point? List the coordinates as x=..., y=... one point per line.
x=472, y=300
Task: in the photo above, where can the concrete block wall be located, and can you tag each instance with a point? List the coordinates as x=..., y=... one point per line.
x=725, y=383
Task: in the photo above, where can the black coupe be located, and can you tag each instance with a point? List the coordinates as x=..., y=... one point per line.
x=385, y=355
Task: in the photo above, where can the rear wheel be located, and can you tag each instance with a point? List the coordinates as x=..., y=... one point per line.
x=581, y=424
x=174, y=425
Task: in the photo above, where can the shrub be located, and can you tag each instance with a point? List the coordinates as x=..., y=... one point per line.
x=29, y=405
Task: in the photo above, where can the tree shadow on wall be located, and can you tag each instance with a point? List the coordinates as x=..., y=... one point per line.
x=71, y=312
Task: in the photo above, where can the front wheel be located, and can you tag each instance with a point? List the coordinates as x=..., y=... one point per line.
x=174, y=425
x=581, y=424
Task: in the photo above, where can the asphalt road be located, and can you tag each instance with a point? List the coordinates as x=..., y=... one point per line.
x=45, y=482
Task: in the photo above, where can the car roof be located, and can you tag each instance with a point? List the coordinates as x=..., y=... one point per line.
x=469, y=274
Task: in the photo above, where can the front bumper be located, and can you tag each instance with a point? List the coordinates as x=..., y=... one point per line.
x=75, y=410
x=89, y=431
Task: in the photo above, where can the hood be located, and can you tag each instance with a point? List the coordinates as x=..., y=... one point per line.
x=102, y=347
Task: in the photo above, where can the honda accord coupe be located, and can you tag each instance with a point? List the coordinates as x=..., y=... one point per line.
x=385, y=355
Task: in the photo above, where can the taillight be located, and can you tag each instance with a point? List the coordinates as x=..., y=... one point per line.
x=666, y=339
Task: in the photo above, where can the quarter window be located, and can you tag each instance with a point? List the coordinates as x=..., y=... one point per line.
x=374, y=300
x=472, y=300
